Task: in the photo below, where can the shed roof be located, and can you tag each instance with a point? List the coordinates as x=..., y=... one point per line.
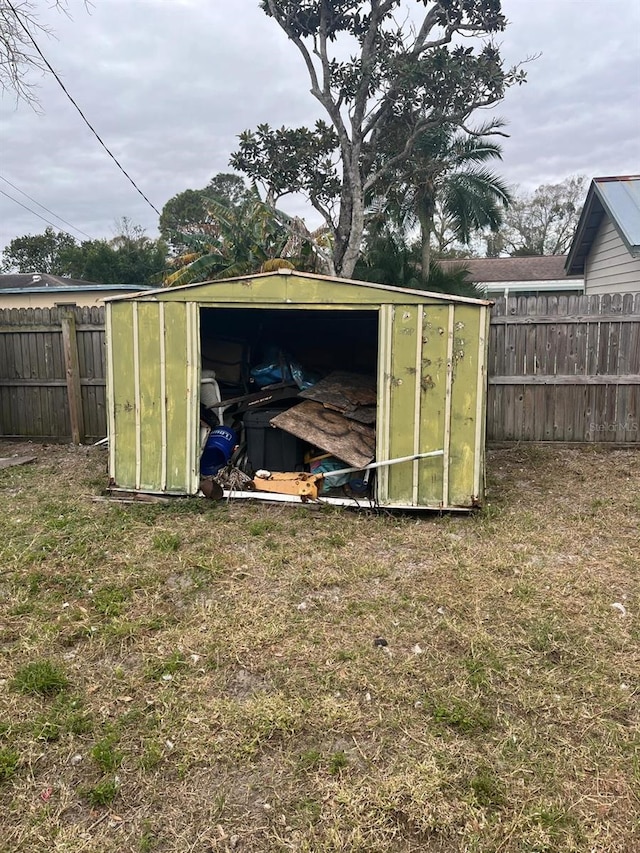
x=350, y=286
x=618, y=198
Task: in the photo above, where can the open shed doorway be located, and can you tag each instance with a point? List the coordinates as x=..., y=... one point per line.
x=258, y=364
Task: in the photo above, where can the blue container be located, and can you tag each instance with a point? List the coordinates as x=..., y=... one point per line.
x=218, y=450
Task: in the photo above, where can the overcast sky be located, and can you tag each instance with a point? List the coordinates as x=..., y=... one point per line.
x=169, y=84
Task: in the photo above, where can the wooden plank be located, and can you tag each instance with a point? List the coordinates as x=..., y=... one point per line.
x=550, y=319
x=8, y=328
x=600, y=379
x=72, y=369
x=48, y=383
x=331, y=431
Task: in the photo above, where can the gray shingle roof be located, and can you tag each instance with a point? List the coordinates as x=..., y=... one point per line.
x=530, y=268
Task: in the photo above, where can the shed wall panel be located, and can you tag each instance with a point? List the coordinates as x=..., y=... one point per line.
x=151, y=402
x=465, y=411
x=404, y=376
x=177, y=391
x=433, y=400
x=124, y=395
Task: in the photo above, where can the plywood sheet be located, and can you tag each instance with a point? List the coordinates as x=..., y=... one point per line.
x=346, y=439
x=353, y=394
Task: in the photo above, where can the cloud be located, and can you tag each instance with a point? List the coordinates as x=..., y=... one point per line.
x=169, y=85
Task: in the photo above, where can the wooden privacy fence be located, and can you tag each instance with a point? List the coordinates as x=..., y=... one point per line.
x=561, y=368
x=565, y=368
x=52, y=374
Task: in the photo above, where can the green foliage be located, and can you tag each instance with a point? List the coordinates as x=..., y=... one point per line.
x=41, y=678
x=239, y=241
x=39, y=253
x=129, y=258
x=166, y=543
x=444, y=187
x=106, y=753
x=337, y=762
x=173, y=664
x=464, y=718
x=388, y=258
x=188, y=212
x=102, y=794
x=9, y=761
x=488, y=789
x=110, y=600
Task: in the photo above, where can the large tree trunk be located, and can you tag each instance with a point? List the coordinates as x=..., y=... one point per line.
x=348, y=244
x=425, y=218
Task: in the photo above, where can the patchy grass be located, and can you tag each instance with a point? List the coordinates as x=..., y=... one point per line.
x=206, y=677
x=42, y=678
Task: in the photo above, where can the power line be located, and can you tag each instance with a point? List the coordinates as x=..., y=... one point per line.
x=22, y=192
x=82, y=115
x=44, y=219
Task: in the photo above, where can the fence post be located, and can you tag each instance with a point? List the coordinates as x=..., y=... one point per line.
x=72, y=370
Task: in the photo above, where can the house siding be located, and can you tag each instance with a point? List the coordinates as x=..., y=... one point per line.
x=610, y=268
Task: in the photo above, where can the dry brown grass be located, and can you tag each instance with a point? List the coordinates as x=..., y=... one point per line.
x=225, y=693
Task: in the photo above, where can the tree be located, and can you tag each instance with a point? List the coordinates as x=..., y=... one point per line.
x=19, y=22
x=39, y=253
x=421, y=75
x=542, y=222
x=442, y=181
x=129, y=258
x=188, y=212
x=242, y=239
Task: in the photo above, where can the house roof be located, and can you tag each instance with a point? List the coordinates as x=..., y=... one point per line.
x=619, y=199
x=534, y=268
x=45, y=283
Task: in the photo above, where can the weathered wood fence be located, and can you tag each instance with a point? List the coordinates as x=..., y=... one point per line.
x=561, y=368
x=52, y=374
x=565, y=368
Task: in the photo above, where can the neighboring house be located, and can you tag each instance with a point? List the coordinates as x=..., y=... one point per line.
x=520, y=276
x=35, y=290
x=606, y=246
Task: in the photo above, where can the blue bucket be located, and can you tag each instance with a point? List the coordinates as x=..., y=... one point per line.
x=218, y=450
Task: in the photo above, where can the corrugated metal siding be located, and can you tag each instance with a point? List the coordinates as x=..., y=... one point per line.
x=610, y=268
x=153, y=396
x=435, y=387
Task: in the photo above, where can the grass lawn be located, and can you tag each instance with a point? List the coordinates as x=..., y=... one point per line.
x=205, y=677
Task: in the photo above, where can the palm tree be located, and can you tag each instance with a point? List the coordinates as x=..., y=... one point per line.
x=443, y=177
x=389, y=257
x=242, y=239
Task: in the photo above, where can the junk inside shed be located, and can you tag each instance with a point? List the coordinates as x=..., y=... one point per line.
x=298, y=387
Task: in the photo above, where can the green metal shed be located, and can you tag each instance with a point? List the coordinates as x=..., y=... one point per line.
x=428, y=352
